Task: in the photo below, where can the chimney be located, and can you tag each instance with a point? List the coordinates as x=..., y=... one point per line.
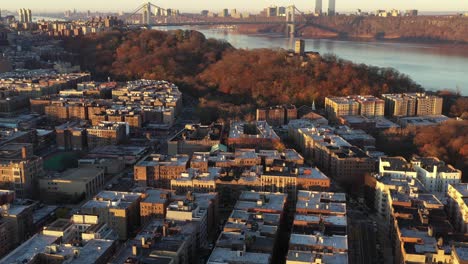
x=24, y=152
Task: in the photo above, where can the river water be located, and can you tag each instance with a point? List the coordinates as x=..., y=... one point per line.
x=433, y=66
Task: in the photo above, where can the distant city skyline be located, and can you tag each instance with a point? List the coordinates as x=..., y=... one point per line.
x=247, y=5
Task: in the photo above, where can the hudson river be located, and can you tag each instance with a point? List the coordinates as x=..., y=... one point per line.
x=433, y=66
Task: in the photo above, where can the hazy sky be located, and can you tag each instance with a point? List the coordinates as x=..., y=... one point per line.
x=248, y=5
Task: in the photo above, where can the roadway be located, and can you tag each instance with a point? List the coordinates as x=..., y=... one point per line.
x=369, y=236
x=209, y=23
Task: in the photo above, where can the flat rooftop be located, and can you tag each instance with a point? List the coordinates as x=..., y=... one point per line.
x=462, y=251
x=13, y=151
x=423, y=120
x=335, y=241
x=462, y=188
x=92, y=251
x=429, y=164
x=262, y=130
x=311, y=173
x=335, y=220
x=82, y=174
x=29, y=249
x=224, y=255
x=157, y=196
x=111, y=199
x=164, y=160
x=322, y=196
x=308, y=257
x=59, y=225
x=396, y=164
x=261, y=200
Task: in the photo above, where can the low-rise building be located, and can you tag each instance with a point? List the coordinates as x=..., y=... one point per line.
x=19, y=218
x=195, y=181
x=158, y=170
x=119, y=210
x=422, y=121
x=277, y=115
x=154, y=204
x=256, y=135
x=107, y=133
x=195, y=138
x=319, y=230
x=20, y=169
x=251, y=232
x=70, y=136
x=72, y=185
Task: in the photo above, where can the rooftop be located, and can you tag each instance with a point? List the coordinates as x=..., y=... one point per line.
x=164, y=160
x=261, y=201
x=110, y=199
x=308, y=257
x=92, y=251
x=462, y=188
x=335, y=241
x=29, y=249
x=242, y=130
x=430, y=163
x=82, y=174
x=461, y=249
x=423, y=120
x=311, y=173
x=336, y=220
x=396, y=164
x=157, y=196
x=59, y=225
x=224, y=255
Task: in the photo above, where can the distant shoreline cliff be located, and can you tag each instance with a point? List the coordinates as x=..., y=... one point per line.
x=426, y=29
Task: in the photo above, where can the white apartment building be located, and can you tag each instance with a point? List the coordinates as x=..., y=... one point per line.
x=435, y=174
x=458, y=210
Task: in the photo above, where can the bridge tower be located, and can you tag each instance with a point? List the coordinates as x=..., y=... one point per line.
x=147, y=14
x=290, y=21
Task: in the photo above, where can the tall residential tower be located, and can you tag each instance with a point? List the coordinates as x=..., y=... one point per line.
x=318, y=7
x=331, y=7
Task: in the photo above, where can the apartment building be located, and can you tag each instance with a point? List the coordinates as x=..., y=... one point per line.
x=256, y=135
x=196, y=181
x=435, y=174
x=20, y=168
x=340, y=106
x=119, y=210
x=364, y=105
x=158, y=170
x=70, y=136
x=277, y=115
x=107, y=133
x=195, y=138
x=412, y=104
x=5, y=239
x=457, y=207
x=18, y=219
x=154, y=204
